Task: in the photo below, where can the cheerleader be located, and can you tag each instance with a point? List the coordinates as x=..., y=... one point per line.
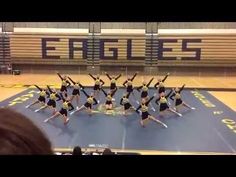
x=164, y=104
x=88, y=105
x=52, y=100
x=97, y=86
x=145, y=116
x=109, y=105
x=113, y=80
x=124, y=101
x=76, y=93
x=144, y=93
x=66, y=106
x=65, y=84
x=178, y=100
x=160, y=84
x=129, y=86
x=42, y=97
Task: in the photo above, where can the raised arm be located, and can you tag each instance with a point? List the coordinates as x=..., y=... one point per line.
x=81, y=86
x=156, y=85
x=121, y=101
x=113, y=93
x=138, y=109
x=63, y=99
x=163, y=80
x=68, y=83
x=104, y=92
x=38, y=87
x=181, y=88
x=49, y=89
x=102, y=82
x=118, y=77
x=157, y=100
x=95, y=101
x=149, y=100
x=171, y=97
x=92, y=76
x=134, y=76
x=60, y=76
x=138, y=88
x=71, y=106
x=59, y=98
x=168, y=94
x=125, y=83
x=85, y=93
x=150, y=82
x=71, y=80
x=108, y=76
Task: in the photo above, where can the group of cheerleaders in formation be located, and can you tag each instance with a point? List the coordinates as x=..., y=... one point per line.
x=93, y=98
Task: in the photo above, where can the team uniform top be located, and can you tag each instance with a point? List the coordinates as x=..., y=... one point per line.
x=163, y=101
x=113, y=81
x=124, y=101
x=144, y=89
x=144, y=108
x=66, y=106
x=129, y=84
x=98, y=82
x=77, y=86
x=177, y=96
x=109, y=96
x=42, y=94
x=160, y=85
x=52, y=98
x=65, y=83
x=90, y=100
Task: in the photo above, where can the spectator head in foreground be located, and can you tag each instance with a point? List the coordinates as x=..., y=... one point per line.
x=107, y=151
x=77, y=151
x=19, y=135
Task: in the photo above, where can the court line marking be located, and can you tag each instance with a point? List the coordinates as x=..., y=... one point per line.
x=224, y=140
x=74, y=140
x=123, y=139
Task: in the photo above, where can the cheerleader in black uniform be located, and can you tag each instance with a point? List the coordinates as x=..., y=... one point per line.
x=42, y=97
x=163, y=106
x=144, y=93
x=109, y=104
x=76, y=93
x=66, y=106
x=113, y=80
x=129, y=86
x=124, y=101
x=64, y=85
x=160, y=84
x=145, y=115
x=97, y=86
x=88, y=105
x=52, y=100
x=178, y=100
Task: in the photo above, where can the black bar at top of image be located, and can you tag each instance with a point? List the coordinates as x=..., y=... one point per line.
x=118, y=11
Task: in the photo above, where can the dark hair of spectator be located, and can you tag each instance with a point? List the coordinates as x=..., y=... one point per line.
x=19, y=135
x=77, y=151
x=107, y=151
